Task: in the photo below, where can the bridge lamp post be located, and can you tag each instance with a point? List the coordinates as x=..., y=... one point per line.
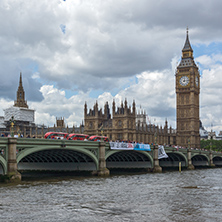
x=211, y=145
x=188, y=141
x=19, y=132
x=102, y=133
x=155, y=138
x=12, y=123
x=211, y=137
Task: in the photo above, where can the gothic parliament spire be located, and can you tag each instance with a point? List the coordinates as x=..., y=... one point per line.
x=21, y=102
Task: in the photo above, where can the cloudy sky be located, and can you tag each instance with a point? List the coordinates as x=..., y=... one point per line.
x=72, y=51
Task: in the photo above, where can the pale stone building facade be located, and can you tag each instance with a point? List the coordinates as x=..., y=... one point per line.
x=122, y=125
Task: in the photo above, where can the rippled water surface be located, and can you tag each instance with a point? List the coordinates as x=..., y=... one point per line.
x=172, y=196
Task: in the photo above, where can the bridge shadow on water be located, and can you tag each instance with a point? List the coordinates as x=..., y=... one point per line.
x=171, y=169
x=53, y=175
x=123, y=171
x=64, y=175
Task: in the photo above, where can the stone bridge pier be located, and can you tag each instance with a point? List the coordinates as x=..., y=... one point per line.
x=12, y=173
x=190, y=165
x=156, y=165
x=102, y=171
x=211, y=160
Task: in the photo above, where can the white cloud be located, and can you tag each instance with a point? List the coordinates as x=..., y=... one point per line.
x=210, y=96
x=3, y=105
x=55, y=104
x=151, y=92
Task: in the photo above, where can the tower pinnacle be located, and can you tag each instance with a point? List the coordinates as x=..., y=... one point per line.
x=21, y=102
x=187, y=46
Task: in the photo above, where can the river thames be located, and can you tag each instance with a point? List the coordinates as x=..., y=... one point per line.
x=170, y=196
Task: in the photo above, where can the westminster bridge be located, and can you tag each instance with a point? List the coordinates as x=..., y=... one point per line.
x=23, y=154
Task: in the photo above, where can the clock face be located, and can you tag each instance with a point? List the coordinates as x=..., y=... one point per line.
x=184, y=80
x=196, y=81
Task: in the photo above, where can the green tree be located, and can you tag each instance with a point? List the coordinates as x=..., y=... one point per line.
x=216, y=145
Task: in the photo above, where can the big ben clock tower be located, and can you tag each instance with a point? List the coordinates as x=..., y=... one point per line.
x=187, y=91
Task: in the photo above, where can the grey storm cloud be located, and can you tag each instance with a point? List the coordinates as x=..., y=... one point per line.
x=10, y=72
x=100, y=40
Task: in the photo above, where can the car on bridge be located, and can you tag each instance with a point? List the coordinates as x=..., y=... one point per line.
x=99, y=138
x=56, y=135
x=74, y=136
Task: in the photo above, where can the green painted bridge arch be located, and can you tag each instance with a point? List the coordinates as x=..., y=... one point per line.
x=3, y=155
x=128, y=159
x=52, y=158
x=197, y=157
x=217, y=160
x=174, y=158
x=57, y=155
x=3, y=165
x=200, y=159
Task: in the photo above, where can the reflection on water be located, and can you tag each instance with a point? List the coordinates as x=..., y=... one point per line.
x=170, y=196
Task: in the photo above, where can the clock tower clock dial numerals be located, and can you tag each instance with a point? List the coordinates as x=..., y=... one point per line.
x=184, y=80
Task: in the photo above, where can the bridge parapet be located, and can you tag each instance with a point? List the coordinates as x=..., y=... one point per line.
x=25, y=144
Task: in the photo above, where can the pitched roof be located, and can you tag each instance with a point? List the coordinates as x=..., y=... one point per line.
x=187, y=46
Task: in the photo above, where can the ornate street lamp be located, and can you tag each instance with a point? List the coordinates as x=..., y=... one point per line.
x=101, y=133
x=19, y=132
x=155, y=138
x=211, y=137
x=188, y=141
x=12, y=123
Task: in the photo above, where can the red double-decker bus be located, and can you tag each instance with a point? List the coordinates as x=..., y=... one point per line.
x=75, y=136
x=56, y=135
x=98, y=138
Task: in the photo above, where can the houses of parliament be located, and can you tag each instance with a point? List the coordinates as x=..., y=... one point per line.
x=128, y=125
x=124, y=123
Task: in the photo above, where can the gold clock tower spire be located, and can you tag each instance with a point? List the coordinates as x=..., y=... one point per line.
x=187, y=91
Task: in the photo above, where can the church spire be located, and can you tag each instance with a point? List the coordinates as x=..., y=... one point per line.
x=20, y=80
x=21, y=102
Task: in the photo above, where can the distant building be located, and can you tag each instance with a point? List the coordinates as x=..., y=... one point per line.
x=2, y=126
x=211, y=135
x=141, y=117
x=23, y=116
x=219, y=137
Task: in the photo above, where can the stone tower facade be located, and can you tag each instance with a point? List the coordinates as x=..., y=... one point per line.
x=21, y=102
x=96, y=119
x=187, y=92
x=60, y=122
x=124, y=127
x=121, y=127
